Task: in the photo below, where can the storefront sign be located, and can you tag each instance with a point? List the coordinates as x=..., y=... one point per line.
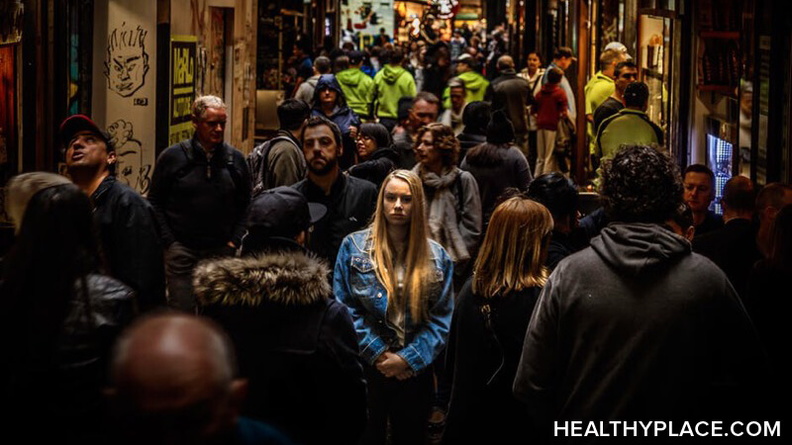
x=182, y=91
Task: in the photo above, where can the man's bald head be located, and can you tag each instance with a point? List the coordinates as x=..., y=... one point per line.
x=176, y=366
x=174, y=344
x=505, y=62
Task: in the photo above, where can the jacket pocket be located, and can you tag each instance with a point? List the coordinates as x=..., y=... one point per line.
x=363, y=278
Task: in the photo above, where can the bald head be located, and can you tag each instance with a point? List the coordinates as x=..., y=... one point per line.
x=505, y=63
x=173, y=365
x=163, y=349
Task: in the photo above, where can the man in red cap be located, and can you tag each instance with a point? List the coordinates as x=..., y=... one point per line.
x=125, y=219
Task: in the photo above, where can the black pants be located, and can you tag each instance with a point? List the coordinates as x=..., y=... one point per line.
x=405, y=404
x=180, y=262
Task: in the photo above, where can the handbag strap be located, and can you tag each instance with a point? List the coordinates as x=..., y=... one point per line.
x=486, y=312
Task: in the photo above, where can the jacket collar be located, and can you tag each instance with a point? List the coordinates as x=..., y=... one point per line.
x=199, y=153
x=104, y=186
x=315, y=194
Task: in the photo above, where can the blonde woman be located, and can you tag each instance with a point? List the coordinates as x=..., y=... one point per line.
x=397, y=284
x=489, y=324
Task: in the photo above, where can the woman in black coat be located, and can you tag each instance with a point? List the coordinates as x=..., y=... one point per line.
x=375, y=157
x=489, y=324
x=60, y=315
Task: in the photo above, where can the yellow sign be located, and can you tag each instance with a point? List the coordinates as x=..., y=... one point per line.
x=182, y=88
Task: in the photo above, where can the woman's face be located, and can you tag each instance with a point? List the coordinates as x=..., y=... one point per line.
x=427, y=154
x=366, y=145
x=397, y=202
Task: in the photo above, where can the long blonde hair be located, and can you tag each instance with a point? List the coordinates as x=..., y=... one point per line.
x=514, y=250
x=418, y=260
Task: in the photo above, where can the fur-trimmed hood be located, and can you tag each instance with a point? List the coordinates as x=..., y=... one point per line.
x=287, y=278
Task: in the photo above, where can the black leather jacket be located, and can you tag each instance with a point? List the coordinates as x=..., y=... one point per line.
x=130, y=241
x=65, y=387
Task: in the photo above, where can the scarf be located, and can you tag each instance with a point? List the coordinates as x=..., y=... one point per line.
x=442, y=211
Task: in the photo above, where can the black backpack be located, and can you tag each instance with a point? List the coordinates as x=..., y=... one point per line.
x=257, y=163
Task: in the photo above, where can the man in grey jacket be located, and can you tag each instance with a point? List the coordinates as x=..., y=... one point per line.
x=637, y=327
x=285, y=163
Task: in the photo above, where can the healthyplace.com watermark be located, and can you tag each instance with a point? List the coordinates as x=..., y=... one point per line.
x=660, y=428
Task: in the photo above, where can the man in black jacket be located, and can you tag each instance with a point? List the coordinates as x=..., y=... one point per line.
x=125, y=220
x=733, y=246
x=350, y=201
x=512, y=94
x=200, y=190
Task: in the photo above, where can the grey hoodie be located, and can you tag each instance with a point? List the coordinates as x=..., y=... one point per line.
x=637, y=327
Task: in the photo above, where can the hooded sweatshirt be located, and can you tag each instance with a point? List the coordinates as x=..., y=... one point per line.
x=391, y=84
x=358, y=88
x=636, y=327
x=342, y=115
x=475, y=88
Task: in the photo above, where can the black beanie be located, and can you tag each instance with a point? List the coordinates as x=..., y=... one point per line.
x=500, y=129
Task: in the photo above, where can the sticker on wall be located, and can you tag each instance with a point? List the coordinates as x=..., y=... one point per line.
x=127, y=60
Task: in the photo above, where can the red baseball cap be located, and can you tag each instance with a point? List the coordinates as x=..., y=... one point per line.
x=80, y=122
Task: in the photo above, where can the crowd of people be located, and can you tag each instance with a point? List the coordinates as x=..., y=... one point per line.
x=404, y=262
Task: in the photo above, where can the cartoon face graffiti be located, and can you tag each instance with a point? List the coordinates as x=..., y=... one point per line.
x=129, y=151
x=127, y=61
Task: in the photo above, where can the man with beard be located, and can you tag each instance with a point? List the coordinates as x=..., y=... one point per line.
x=350, y=201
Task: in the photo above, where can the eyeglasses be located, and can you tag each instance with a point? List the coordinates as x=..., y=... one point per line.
x=629, y=75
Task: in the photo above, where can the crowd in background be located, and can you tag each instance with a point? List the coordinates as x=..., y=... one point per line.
x=404, y=262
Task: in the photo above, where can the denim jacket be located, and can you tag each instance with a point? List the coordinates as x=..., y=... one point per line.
x=356, y=285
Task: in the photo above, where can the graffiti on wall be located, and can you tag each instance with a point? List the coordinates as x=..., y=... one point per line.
x=131, y=168
x=127, y=60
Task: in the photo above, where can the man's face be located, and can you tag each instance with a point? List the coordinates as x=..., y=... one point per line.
x=328, y=96
x=610, y=70
x=563, y=62
x=87, y=150
x=422, y=113
x=397, y=202
x=320, y=150
x=211, y=127
x=627, y=76
x=126, y=70
x=533, y=62
x=457, y=98
x=462, y=67
x=297, y=51
x=698, y=191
